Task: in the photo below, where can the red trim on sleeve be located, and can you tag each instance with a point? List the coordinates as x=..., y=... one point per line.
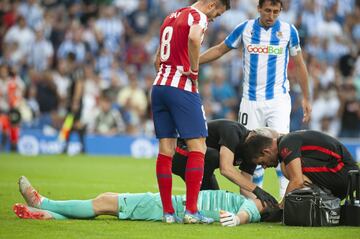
x=196, y=16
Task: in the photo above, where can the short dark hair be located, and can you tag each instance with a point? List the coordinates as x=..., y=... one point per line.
x=273, y=2
x=254, y=146
x=226, y=3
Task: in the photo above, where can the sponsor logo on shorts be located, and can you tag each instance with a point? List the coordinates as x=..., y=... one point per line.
x=265, y=49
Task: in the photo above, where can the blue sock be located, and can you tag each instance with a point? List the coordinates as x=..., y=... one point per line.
x=71, y=208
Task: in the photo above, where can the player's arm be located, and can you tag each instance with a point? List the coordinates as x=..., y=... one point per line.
x=157, y=59
x=194, y=43
x=243, y=191
x=228, y=170
x=302, y=74
x=294, y=174
x=214, y=53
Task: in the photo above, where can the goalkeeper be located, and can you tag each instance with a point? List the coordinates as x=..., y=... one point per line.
x=229, y=208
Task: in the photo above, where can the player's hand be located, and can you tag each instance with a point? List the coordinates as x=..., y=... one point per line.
x=191, y=74
x=265, y=198
x=229, y=219
x=307, y=110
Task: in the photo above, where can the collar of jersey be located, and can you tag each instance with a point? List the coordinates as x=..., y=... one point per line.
x=257, y=22
x=200, y=12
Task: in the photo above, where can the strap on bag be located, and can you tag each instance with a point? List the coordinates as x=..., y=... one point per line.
x=357, y=178
x=353, y=185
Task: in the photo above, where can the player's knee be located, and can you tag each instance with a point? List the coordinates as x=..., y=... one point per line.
x=198, y=145
x=167, y=152
x=106, y=203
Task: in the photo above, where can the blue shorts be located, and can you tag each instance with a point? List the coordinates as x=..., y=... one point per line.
x=177, y=112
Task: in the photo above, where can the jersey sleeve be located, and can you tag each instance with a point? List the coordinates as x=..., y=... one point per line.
x=289, y=148
x=195, y=18
x=233, y=40
x=294, y=45
x=229, y=139
x=247, y=167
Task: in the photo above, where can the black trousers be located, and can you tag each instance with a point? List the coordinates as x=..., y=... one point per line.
x=209, y=181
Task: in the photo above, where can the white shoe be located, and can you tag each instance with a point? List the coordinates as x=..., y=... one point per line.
x=31, y=196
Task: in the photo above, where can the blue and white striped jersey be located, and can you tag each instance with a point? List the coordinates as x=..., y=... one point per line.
x=265, y=57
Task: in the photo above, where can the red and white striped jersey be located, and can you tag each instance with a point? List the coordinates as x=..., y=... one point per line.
x=174, y=56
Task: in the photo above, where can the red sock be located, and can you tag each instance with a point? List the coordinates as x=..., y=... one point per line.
x=193, y=178
x=164, y=178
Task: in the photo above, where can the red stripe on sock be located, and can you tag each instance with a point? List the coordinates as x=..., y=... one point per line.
x=193, y=177
x=164, y=178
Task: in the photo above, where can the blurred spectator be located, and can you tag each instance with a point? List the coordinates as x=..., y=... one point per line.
x=46, y=93
x=32, y=12
x=311, y=17
x=73, y=44
x=111, y=45
x=104, y=60
x=325, y=108
x=210, y=106
x=62, y=82
x=41, y=52
x=90, y=95
x=21, y=37
x=30, y=110
x=287, y=14
x=347, y=64
x=133, y=102
x=109, y=29
x=9, y=13
x=329, y=28
x=15, y=91
x=349, y=111
x=4, y=120
x=8, y=17
x=108, y=121
x=223, y=94
x=113, y=78
x=140, y=20
x=136, y=53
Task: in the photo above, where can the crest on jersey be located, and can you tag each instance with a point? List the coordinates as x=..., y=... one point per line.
x=285, y=152
x=279, y=34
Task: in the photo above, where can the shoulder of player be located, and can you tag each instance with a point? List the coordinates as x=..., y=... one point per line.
x=223, y=125
x=292, y=137
x=195, y=12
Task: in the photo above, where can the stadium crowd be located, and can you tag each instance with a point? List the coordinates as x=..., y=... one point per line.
x=95, y=57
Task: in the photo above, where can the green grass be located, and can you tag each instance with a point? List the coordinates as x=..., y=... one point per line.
x=82, y=177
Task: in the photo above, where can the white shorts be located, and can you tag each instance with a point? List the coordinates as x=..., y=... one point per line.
x=273, y=113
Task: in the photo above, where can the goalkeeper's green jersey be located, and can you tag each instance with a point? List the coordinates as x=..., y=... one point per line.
x=147, y=206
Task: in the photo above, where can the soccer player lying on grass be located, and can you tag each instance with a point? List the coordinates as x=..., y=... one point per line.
x=230, y=209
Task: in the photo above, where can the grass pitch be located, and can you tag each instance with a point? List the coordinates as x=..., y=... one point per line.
x=82, y=177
